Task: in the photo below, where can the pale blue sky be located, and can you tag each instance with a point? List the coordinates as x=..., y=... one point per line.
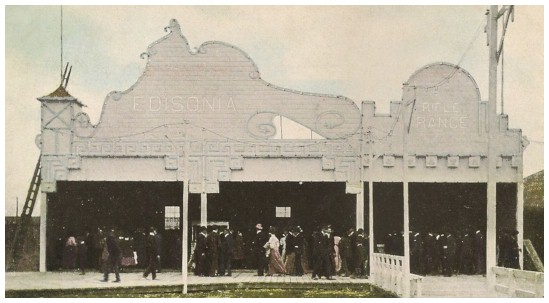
x=364, y=53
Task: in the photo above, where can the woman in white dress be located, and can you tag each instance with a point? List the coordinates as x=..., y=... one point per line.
x=276, y=266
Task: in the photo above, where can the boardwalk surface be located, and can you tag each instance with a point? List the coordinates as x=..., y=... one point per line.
x=461, y=286
x=72, y=280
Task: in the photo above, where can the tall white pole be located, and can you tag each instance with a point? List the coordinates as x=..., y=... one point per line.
x=204, y=208
x=520, y=211
x=185, y=225
x=371, y=199
x=492, y=129
x=406, y=265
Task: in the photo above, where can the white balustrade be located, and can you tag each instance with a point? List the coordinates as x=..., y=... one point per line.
x=388, y=273
x=518, y=283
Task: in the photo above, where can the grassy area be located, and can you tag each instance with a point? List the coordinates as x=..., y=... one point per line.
x=232, y=293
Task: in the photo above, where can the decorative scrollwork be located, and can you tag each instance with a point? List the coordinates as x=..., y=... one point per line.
x=329, y=120
x=261, y=125
x=83, y=127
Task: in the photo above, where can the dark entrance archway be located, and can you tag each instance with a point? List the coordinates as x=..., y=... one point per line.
x=131, y=208
x=311, y=204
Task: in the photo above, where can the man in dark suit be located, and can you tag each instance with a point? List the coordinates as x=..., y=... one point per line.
x=480, y=255
x=200, y=253
x=351, y=254
x=113, y=261
x=259, y=249
x=151, y=250
x=227, y=246
x=213, y=251
x=324, y=247
x=299, y=241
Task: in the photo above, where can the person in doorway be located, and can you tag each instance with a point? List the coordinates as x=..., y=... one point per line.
x=416, y=254
x=151, y=250
x=449, y=253
x=227, y=246
x=276, y=266
x=361, y=254
x=113, y=259
x=429, y=247
x=70, y=253
x=323, y=247
x=337, y=257
x=201, y=253
x=82, y=254
x=283, y=246
x=351, y=254
x=289, y=262
x=238, y=250
x=467, y=254
x=344, y=250
x=258, y=245
x=480, y=255
x=214, y=244
x=160, y=247
x=299, y=245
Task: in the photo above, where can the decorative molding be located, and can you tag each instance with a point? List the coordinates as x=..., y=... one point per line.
x=346, y=169
x=236, y=163
x=353, y=188
x=54, y=169
x=411, y=161
x=453, y=161
x=263, y=148
x=328, y=163
x=212, y=187
x=48, y=187
x=474, y=161
x=366, y=160
x=431, y=161
x=171, y=162
x=515, y=161
x=198, y=187
x=388, y=161
x=218, y=169
x=195, y=187
x=499, y=162
x=74, y=162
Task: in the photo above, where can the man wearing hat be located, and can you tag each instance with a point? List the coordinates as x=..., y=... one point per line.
x=259, y=249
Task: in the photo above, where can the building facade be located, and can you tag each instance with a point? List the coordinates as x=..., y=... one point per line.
x=205, y=119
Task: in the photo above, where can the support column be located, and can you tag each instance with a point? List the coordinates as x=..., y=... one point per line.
x=43, y=227
x=371, y=219
x=185, y=234
x=371, y=201
x=204, y=209
x=406, y=265
x=360, y=207
x=493, y=126
x=520, y=213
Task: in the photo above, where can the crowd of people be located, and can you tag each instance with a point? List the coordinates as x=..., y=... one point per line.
x=106, y=252
x=322, y=253
x=447, y=254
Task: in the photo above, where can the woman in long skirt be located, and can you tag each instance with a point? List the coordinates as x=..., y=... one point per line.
x=276, y=266
x=337, y=256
